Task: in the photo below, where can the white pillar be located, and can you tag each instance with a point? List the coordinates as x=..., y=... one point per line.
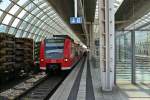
x=91, y=40
x=107, y=43
x=75, y=8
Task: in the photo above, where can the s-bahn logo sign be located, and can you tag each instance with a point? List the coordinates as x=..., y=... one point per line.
x=75, y=20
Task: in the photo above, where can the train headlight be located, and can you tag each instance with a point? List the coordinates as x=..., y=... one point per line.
x=65, y=59
x=42, y=59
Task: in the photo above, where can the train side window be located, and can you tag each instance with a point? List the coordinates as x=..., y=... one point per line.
x=72, y=49
x=76, y=52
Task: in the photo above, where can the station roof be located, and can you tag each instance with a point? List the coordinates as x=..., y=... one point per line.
x=131, y=13
x=117, y=4
x=65, y=9
x=35, y=19
x=39, y=19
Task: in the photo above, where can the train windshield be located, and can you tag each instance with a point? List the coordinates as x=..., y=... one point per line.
x=54, y=48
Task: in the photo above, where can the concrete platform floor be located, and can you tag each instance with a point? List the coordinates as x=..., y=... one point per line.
x=83, y=83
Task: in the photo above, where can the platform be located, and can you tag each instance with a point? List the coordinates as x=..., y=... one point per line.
x=83, y=83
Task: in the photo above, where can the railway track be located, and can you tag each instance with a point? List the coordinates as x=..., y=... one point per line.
x=44, y=90
x=22, y=87
x=40, y=89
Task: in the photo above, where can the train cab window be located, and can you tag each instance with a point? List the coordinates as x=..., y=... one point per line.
x=54, y=48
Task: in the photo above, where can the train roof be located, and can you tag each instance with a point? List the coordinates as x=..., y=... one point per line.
x=62, y=37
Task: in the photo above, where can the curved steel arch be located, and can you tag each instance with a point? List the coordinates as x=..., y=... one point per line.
x=46, y=22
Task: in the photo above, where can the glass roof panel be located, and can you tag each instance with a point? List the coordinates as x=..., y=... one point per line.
x=21, y=2
x=14, y=9
x=2, y=28
x=43, y=17
x=37, y=1
x=51, y=12
x=35, y=10
x=18, y=34
x=4, y=4
x=48, y=8
x=39, y=14
x=15, y=23
x=29, y=17
x=29, y=35
x=22, y=13
x=23, y=25
x=1, y=13
x=37, y=24
x=33, y=29
x=24, y=34
x=29, y=25
x=36, y=32
x=42, y=5
x=53, y=15
x=11, y=30
x=29, y=7
x=7, y=19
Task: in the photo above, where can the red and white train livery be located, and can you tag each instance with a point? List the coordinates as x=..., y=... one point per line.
x=59, y=53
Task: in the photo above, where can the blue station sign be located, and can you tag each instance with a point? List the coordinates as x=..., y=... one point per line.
x=75, y=20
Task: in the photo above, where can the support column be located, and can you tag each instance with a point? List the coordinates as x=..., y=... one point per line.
x=91, y=40
x=133, y=57
x=88, y=41
x=119, y=49
x=107, y=43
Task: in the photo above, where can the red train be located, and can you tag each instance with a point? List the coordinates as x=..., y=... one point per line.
x=59, y=53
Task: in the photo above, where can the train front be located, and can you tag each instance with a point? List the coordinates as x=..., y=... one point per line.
x=51, y=55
